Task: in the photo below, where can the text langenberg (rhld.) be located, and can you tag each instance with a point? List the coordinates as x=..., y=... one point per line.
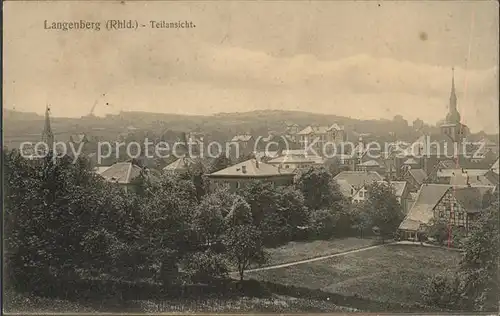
x=72, y=25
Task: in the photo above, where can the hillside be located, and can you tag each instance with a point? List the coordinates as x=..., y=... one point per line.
x=26, y=126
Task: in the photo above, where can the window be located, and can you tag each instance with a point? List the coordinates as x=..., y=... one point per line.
x=237, y=184
x=361, y=194
x=441, y=214
x=461, y=216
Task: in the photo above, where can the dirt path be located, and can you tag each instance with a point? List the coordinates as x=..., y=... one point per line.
x=289, y=264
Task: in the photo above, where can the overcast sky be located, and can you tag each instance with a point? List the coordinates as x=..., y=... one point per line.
x=358, y=59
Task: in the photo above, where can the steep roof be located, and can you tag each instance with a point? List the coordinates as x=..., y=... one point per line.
x=345, y=187
x=101, y=169
x=358, y=179
x=421, y=211
x=471, y=198
x=121, y=172
x=429, y=195
x=418, y=174
x=496, y=167
x=335, y=126
x=252, y=168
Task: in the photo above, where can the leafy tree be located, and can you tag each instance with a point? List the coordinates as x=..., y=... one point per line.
x=480, y=261
x=244, y=246
x=205, y=267
x=384, y=209
x=261, y=197
x=208, y=220
x=319, y=189
x=323, y=223
x=219, y=163
x=443, y=290
x=167, y=230
x=360, y=219
x=438, y=230
x=240, y=213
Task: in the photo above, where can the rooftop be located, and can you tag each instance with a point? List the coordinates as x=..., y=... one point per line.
x=121, y=172
x=252, y=168
x=358, y=179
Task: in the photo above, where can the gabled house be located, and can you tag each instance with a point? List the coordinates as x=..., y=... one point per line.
x=245, y=143
x=415, y=179
x=353, y=184
x=455, y=205
x=179, y=167
x=236, y=176
x=124, y=174
x=319, y=136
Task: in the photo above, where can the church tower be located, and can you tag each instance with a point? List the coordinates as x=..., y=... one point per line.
x=453, y=117
x=47, y=134
x=452, y=127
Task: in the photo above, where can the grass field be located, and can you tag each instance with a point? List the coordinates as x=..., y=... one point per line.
x=296, y=251
x=393, y=273
x=274, y=304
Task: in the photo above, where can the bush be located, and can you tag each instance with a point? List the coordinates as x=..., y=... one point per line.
x=443, y=290
x=323, y=223
x=205, y=267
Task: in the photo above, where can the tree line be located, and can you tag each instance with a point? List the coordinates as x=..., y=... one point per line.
x=63, y=223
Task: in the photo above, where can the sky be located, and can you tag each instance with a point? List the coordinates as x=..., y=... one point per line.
x=360, y=59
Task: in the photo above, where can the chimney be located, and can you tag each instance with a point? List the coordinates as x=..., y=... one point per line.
x=244, y=169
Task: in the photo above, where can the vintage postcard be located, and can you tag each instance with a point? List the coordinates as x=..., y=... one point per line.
x=250, y=157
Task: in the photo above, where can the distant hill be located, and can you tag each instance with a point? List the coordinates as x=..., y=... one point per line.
x=27, y=126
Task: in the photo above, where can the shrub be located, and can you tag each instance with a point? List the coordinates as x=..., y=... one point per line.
x=205, y=267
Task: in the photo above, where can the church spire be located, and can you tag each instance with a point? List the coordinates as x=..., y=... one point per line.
x=453, y=115
x=47, y=135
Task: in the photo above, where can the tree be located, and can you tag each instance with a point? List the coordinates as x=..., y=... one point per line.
x=244, y=247
x=437, y=230
x=219, y=163
x=360, y=219
x=323, y=223
x=480, y=262
x=418, y=124
x=319, y=189
x=240, y=213
x=475, y=284
x=205, y=267
x=208, y=220
x=384, y=209
x=167, y=231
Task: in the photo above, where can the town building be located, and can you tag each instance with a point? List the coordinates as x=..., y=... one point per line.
x=297, y=161
x=236, y=176
x=124, y=174
x=318, y=137
x=455, y=205
x=353, y=184
x=179, y=167
x=415, y=178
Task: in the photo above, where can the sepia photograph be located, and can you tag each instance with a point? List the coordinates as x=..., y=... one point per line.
x=275, y=157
